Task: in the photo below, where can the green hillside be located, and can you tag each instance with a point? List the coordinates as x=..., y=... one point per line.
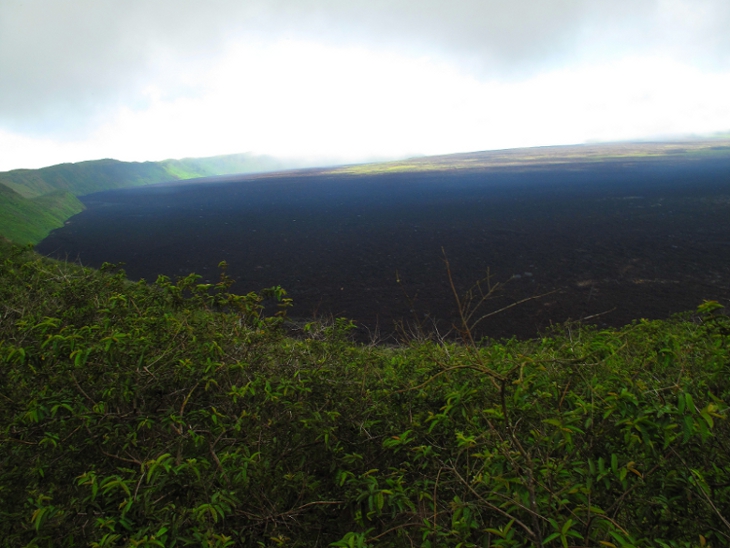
x=87, y=177
x=26, y=221
x=189, y=168
x=29, y=220
x=550, y=155
x=35, y=201
x=178, y=414
x=83, y=178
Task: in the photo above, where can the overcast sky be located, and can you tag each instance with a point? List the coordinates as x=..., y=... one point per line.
x=352, y=79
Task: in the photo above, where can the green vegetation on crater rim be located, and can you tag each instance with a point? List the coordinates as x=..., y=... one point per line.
x=35, y=201
x=24, y=220
x=176, y=414
x=30, y=219
x=552, y=155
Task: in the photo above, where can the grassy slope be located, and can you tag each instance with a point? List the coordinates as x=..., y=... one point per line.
x=25, y=220
x=189, y=168
x=528, y=157
x=83, y=178
x=143, y=415
x=35, y=201
x=87, y=177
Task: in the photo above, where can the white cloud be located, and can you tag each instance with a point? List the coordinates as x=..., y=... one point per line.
x=148, y=79
x=302, y=99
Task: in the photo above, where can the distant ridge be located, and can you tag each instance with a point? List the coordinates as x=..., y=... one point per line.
x=35, y=201
x=548, y=155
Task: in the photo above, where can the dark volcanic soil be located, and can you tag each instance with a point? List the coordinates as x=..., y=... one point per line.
x=616, y=240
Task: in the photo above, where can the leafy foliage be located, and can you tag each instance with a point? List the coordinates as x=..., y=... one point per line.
x=177, y=413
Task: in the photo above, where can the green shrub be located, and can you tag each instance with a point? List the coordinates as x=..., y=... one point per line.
x=177, y=413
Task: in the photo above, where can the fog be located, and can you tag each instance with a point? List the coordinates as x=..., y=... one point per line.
x=142, y=80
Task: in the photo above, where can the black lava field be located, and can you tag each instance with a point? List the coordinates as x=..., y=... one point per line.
x=609, y=241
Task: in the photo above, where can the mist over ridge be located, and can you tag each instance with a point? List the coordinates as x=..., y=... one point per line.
x=355, y=80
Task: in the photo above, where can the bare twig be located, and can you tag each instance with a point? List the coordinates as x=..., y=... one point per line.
x=93, y=403
x=505, y=308
x=704, y=493
x=396, y=528
x=480, y=369
x=497, y=509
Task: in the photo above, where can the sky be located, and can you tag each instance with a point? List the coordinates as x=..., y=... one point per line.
x=353, y=80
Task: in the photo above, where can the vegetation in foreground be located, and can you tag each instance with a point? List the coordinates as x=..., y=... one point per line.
x=177, y=414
